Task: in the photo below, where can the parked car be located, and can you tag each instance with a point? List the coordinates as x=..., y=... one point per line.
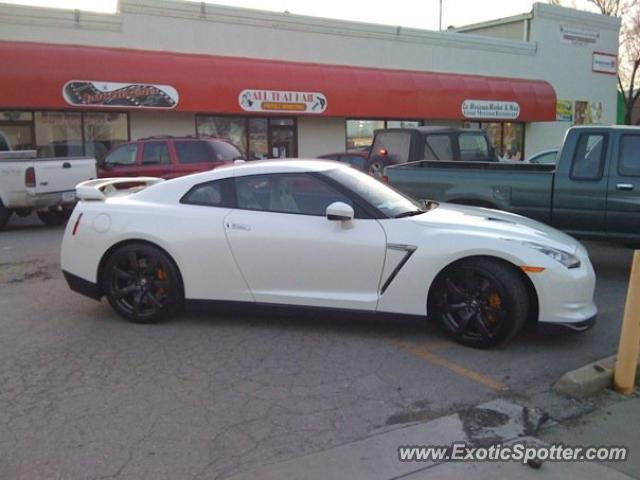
x=46, y=185
x=356, y=158
x=593, y=192
x=549, y=156
x=322, y=235
x=167, y=157
x=393, y=146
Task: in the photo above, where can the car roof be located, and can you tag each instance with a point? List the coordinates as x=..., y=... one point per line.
x=358, y=153
x=286, y=165
x=430, y=129
x=171, y=190
x=181, y=137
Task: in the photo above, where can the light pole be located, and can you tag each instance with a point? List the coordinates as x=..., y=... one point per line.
x=440, y=23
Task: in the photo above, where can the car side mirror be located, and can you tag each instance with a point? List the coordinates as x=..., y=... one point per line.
x=340, y=211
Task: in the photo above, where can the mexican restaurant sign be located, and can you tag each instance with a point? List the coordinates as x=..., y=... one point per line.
x=282, y=101
x=490, y=109
x=89, y=93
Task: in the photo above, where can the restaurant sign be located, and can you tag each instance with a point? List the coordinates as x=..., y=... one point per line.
x=86, y=93
x=282, y=101
x=490, y=109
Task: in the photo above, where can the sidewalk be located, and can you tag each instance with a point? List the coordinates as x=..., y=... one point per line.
x=498, y=421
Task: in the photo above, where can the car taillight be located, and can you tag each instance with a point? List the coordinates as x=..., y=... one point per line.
x=76, y=225
x=30, y=177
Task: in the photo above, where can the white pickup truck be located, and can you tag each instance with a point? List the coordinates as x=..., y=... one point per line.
x=44, y=185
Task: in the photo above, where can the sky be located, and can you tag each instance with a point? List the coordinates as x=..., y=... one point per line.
x=408, y=13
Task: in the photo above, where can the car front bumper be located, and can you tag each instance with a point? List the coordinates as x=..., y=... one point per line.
x=565, y=297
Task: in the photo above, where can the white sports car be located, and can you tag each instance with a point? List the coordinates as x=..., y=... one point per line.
x=320, y=234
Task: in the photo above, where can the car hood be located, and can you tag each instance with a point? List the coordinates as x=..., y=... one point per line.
x=495, y=223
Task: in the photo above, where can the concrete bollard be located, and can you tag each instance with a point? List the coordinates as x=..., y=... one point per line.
x=624, y=376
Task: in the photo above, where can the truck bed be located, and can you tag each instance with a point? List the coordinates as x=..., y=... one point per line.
x=521, y=188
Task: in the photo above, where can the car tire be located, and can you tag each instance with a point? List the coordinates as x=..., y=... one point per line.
x=375, y=167
x=54, y=217
x=22, y=212
x=142, y=283
x=480, y=302
x=5, y=215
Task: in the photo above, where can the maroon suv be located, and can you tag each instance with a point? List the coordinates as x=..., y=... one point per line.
x=167, y=157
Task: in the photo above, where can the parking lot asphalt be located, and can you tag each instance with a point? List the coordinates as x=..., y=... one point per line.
x=84, y=394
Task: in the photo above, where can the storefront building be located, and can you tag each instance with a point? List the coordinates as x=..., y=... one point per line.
x=281, y=85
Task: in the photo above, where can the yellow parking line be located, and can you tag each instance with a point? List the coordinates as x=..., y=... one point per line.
x=425, y=351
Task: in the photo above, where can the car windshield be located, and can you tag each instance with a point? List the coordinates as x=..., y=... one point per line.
x=384, y=198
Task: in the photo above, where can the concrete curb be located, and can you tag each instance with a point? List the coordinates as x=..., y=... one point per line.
x=585, y=381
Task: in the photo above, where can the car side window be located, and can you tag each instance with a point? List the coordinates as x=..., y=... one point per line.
x=193, y=152
x=438, y=147
x=218, y=193
x=296, y=193
x=629, y=161
x=122, y=156
x=588, y=159
x=545, y=158
x=473, y=147
x=155, y=153
x=397, y=145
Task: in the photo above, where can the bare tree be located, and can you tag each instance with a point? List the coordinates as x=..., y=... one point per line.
x=608, y=7
x=629, y=66
x=629, y=53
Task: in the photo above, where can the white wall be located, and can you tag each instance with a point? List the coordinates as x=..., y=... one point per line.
x=317, y=136
x=148, y=124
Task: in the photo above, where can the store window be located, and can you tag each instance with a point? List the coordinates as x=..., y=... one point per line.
x=513, y=141
x=507, y=138
x=58, y=134
x=63, y=133
x=103, y=131
x=360, y=132
x=233, y=129
x=258, y=139
x=255, y=137
x=16, y=128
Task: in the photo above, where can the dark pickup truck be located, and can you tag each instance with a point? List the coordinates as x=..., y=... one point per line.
x=393, y=146
x=593, y=191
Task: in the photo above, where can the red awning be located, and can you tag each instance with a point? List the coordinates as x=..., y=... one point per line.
x=33, y=77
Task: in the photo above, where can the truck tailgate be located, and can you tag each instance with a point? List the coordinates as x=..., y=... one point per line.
x=62, y=174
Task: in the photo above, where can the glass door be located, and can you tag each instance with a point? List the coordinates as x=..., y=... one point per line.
x=282, y=138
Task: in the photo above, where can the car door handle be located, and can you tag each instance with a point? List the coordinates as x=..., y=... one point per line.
x=66, y=165
x=625, y=186
x=238, y=226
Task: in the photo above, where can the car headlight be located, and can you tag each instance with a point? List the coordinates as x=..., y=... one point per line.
x=565, y=258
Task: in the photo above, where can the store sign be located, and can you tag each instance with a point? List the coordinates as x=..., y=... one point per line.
x=87, y=93
x=564, y=111
x=579, y=34
x=282, y=101
x=490, y=109
x=604, y=63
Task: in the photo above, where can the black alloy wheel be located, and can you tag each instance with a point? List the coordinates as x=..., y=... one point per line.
x=142, y=283
x=481, y=302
